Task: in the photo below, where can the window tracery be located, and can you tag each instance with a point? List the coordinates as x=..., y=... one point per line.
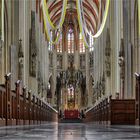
x=59, y=45
x=70, y=41
x=81, y=44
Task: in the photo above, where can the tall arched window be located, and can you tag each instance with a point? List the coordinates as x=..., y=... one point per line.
x=59, y=45
x=91, y=40
x=50, y=43
x=81, y=44
x=70, y=41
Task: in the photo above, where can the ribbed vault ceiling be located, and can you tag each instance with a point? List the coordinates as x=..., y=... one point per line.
x=92, y=9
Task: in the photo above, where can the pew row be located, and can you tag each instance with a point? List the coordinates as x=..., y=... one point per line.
x=19, y=107
x=112, y=111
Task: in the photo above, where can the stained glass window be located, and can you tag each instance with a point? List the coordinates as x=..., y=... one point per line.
x=59, y=45
x=81, y=44
x=70, y=41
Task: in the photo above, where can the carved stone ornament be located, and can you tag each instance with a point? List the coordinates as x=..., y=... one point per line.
x=107, y=54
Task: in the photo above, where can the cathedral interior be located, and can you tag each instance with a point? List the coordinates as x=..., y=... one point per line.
x=70, y=69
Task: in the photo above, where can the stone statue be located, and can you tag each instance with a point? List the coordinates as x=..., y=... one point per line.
x=107, y=54
x=121, y=60
x=33, y=49
x=21, y=61
x=39, y=79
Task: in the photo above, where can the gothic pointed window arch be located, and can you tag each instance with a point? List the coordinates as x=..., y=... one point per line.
x=70, y=41
x=81, y=44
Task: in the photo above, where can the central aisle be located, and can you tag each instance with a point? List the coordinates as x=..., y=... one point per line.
x=67, y=131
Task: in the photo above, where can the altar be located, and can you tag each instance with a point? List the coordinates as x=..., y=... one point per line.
x=71, y=92
x=71, y=114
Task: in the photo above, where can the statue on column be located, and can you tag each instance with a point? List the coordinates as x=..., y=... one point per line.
x=21, y=61
x=122, y=66
x=33, y=48
x=121, y=60
x=107, y=54
x=103, y=84
x=39, y=79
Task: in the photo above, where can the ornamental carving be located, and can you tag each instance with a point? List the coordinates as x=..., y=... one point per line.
x=70, y=59
x=59, y=61
x=108, y=54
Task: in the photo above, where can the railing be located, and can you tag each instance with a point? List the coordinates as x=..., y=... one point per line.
x=112, y=111
x=19, y=107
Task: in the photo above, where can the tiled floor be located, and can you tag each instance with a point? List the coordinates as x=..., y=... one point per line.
x=70, y=131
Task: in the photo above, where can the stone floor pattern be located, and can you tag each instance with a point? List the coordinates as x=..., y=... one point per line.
x=70, y=131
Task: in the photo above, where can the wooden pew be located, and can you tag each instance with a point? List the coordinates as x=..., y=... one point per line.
x=137, y=103
x=17, y=102
x=2, y=105
x=123, y=111
x=19, y=107
x=112, y=111
x=8, y=113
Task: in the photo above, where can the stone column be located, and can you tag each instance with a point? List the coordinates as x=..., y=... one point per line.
x=64, y=45
x=54, y=75
x=89, y=98
x=1, y=59
x=76, y=44
x=139, y=34
x=139, y=16
x=115, y=29
x=24, y=25
x=127, y=39
x=95, y=68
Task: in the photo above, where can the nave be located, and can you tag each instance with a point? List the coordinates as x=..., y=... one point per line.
x=70, y=131
x=69, y=69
